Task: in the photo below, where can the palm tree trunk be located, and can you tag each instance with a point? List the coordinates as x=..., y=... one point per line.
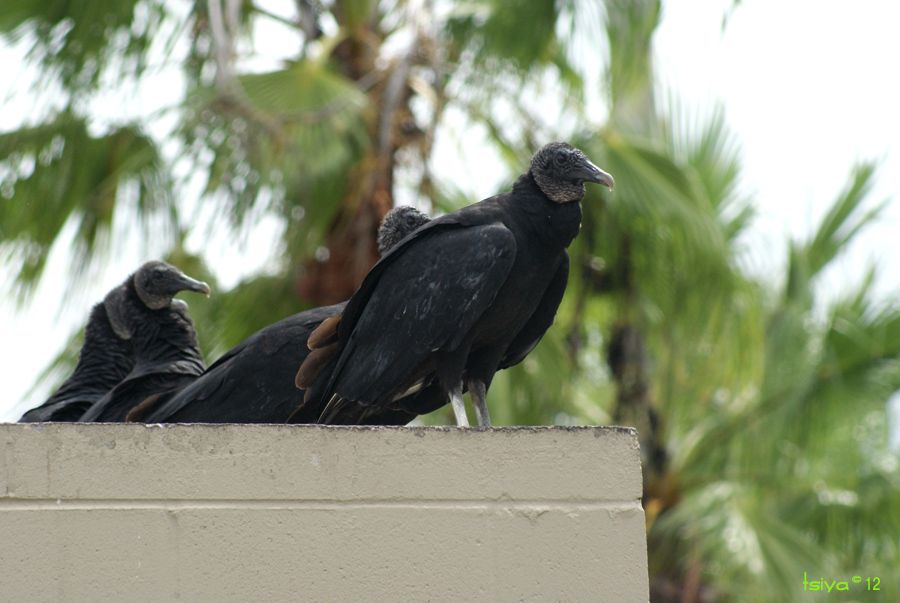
x=351, y=237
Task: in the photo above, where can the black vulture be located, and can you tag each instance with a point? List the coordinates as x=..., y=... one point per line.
x=254, y=381
x=166, y=354
x=468, y=293
x=104, y=360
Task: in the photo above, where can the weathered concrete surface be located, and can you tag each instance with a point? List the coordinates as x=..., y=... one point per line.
x=289, y=513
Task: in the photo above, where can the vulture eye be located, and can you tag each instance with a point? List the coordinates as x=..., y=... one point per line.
x=560, y=159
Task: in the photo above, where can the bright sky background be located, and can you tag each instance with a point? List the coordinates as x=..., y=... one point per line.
x=806, y=85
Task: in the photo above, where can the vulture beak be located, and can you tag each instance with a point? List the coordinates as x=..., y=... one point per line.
x=589, y=172
x=188, y=284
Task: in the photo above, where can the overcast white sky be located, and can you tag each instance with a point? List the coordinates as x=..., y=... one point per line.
x=808, y=86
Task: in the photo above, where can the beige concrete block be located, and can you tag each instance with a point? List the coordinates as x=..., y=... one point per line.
x=54, y=554
x=299, y=513
x=491, y=553
x=349, y=553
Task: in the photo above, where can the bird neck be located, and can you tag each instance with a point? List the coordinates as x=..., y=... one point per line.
x=164, y=336
x=558, y=223
x=558, y=191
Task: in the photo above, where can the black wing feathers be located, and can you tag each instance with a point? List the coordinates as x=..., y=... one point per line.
x=541, y=320
x=439, y=284
x=252, y=382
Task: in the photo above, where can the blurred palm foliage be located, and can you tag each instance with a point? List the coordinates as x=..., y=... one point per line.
x=761, y=411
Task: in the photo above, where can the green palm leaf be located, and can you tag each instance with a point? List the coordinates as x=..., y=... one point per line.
x=60, y=173
x=74, y=40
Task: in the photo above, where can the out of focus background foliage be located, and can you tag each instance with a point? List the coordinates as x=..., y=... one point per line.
x=761, y=409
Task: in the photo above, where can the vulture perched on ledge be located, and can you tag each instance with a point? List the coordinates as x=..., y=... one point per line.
x=463, y=296
x=166, y=354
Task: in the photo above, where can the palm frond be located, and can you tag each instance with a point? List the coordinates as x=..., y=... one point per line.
x=710, y=152
x=292, y=133
x=629, y=28
x=74, y=40
x=843, y=221
x=492, y=29
x=59, y=172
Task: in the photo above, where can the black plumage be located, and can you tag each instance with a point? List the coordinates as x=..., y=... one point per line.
x=254, y=381
x=251, y=383
x=166, y=354
x=104, y=360
x=465, y=295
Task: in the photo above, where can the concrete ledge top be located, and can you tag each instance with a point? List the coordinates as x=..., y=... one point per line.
x=70, y=461
x=221, y=513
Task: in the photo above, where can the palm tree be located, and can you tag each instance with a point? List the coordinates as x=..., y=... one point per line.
x=761, y=414
x=792, y=472
x=318, y=142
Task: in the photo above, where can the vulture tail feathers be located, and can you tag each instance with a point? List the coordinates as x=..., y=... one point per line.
x=332, y=410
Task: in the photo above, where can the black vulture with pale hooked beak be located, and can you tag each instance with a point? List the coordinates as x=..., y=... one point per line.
x=162, y=335
x=254, y=381
x=468, y=293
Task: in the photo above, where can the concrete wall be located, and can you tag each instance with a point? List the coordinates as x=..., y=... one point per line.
x=291, y=513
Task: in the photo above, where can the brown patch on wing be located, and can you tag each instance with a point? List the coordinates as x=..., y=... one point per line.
x=325, y=334
x=140, y=411
x=307, y=395
x=311, y=367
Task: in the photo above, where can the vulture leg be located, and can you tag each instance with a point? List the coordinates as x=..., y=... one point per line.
x=459, y=407
x=479, y=393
